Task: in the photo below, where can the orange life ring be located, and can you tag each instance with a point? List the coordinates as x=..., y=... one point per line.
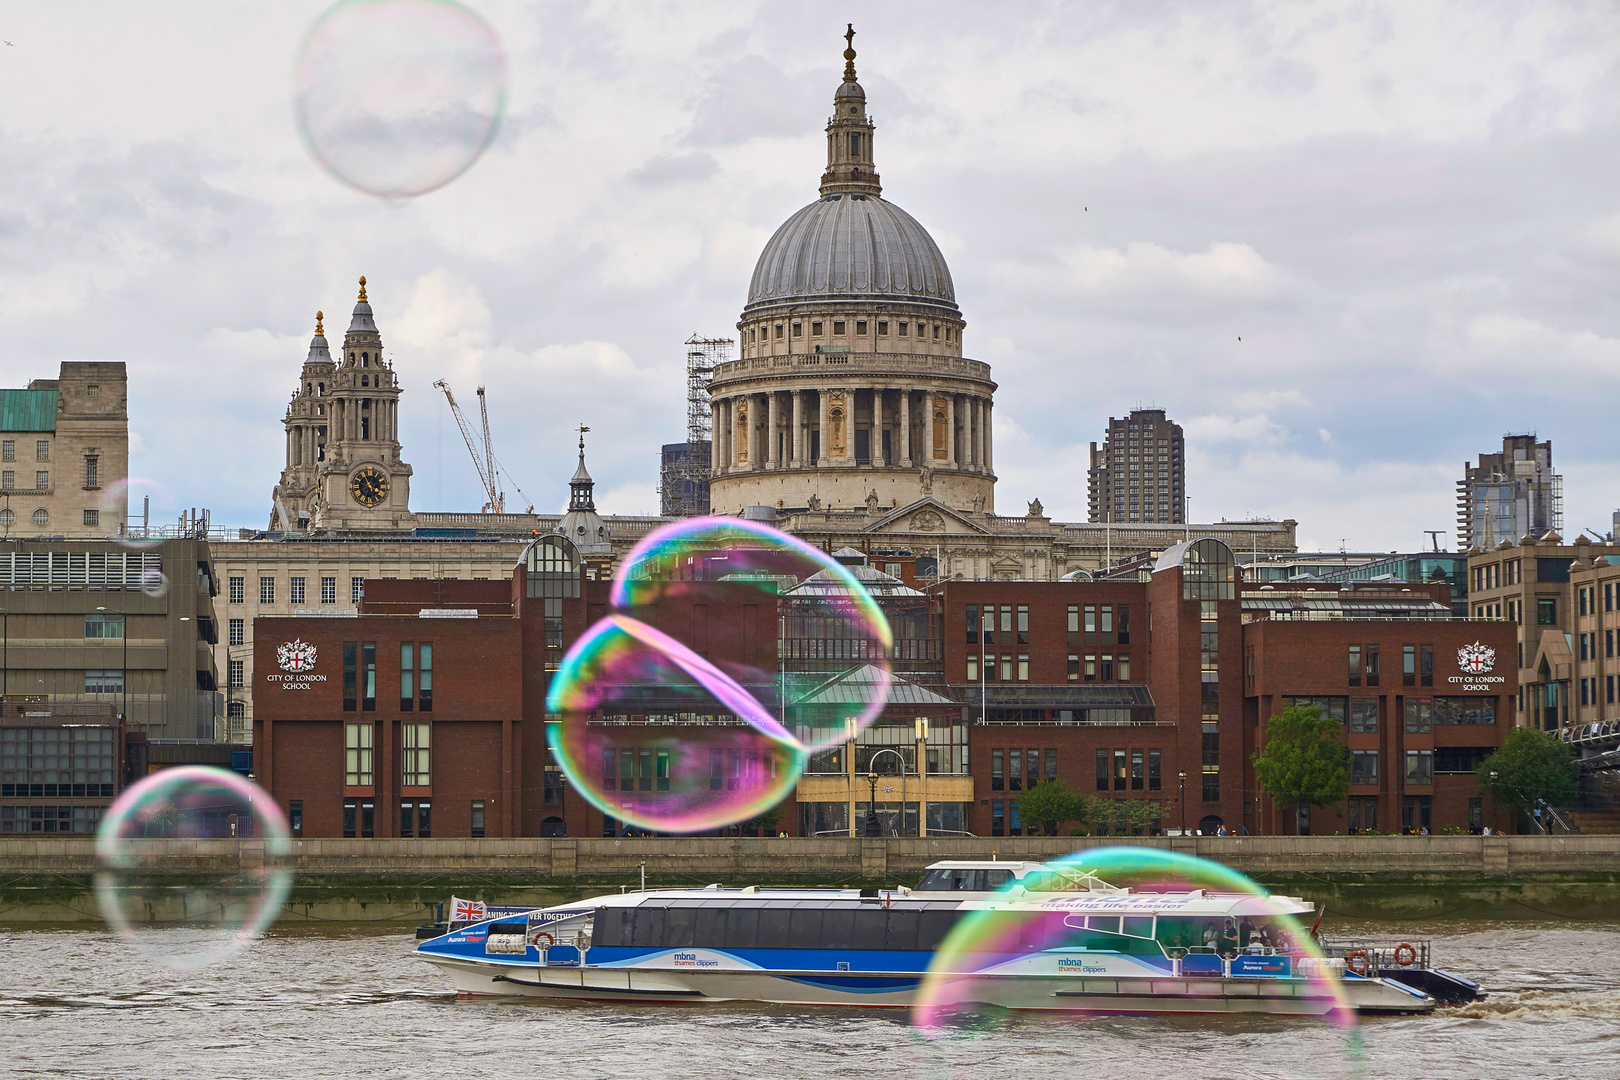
x=550, y=941
x=1356, y=961
x=1405, y=955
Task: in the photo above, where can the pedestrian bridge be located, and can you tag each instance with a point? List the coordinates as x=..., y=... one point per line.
x=1597, y=744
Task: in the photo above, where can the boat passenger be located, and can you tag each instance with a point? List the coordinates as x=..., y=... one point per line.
x=1211, y=937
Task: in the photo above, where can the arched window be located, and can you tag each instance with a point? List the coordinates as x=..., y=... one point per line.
x=1208, y=571
x=236, y=710
x=365, y=359
x=7, y=517
x=365, y=380
x=552, y=565
x=42, y=516
x=320, y=388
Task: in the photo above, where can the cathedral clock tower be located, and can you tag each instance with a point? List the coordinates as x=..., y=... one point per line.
x=344, y=472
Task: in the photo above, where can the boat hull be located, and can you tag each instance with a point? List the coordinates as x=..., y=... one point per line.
x=1057, y=993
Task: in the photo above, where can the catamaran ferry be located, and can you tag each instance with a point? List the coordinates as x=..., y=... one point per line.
x=1083, y=946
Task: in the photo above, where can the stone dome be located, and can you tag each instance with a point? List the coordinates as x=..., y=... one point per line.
x=851, y=247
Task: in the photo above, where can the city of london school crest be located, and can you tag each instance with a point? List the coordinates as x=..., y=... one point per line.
x=295, y=656
x=1476, y=659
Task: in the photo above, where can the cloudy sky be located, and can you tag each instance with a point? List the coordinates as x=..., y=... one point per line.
x=1408, y=213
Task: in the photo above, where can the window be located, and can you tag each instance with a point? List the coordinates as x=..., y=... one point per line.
x=1371, y=660
x=101, y=625
x=883, y=326
x=1015, y=770
x=815, y=328
x=1419, y=716
x=236, y=710
x=1074, y=624
x=1091, y=667
x=357, y=754
x=235, y=589
x=104, y=682
x=1546, y=611
x=42, y=516
x=998, y=770
x=798, y=329
x=8, y=451
x=902, y=329
x=407, y=676
x=351, y=653
x=1355, y=665
x=92, y=519
x=1426, y=666
x=267, y=590
x=234, y=676
x=1121, y=770
x=359, y=818
x=1155, y=778
x=1122, y=625
x=42, y=450
x=1023, y=624
x=92, y=471
x=1364, y=766
x=1006, y=668
x=936, y=331
x=972, y=669
x=1419, y=767
x=860, y=327
x=42, y=479
x=295, y=590
x=1106, y=670
x=357, y=589
x=1364, y=716
x=1091, y=624
x=1608, y=597
x=1074, y=668
x=1023, y=667
x=1051, y=763
x=1363, y=813
x=368, y=676
x=8, y=479
x=855, y=144
x=415, y=745
x=1408, y=665
x=424, y=687
x=328, y=590
x=973, y=624
x=1123, y=668
x=1102, y=770
x=998, y=812
x=1138, y=770
x=295, y=817
x=478, y=819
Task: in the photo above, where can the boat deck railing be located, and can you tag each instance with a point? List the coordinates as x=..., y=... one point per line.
x=1380, y=953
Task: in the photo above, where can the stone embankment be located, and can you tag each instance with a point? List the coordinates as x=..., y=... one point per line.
x=1378, y=877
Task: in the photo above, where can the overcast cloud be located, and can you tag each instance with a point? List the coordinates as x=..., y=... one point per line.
x=1407, y=212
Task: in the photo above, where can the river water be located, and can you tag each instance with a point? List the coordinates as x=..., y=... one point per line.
x=350, y=1002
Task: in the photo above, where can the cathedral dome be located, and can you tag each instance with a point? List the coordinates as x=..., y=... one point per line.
x=851, y=247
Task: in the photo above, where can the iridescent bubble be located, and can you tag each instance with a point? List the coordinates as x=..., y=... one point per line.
x=134, y=512
x=1189, y=936
x=771, y=611
x=399, y=97
x=654, y=735
x=192, y=865
x=154, y=583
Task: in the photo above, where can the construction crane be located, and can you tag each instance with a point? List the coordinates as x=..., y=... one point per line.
x=484, y=463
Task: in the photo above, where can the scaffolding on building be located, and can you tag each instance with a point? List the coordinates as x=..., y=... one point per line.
x=684, y=467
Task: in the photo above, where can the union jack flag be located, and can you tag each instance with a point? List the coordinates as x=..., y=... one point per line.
x=466, y=910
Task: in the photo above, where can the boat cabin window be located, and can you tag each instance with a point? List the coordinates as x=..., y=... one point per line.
x=689, y=924
x=980, y=880
x=1138, y=925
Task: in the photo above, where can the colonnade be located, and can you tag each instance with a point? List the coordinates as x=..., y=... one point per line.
x=342, y=425
x=773, y=429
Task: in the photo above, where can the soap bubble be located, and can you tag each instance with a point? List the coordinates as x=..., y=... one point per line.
x=123, y=504
x=773, y=612
x=154, y=583
x=399, y=97
x=733, y=652
x=192, y=865
x=654, y=735
x=1074, y=929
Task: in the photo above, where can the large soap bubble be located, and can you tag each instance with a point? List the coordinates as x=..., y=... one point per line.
x=1189, y=936
x=399, y=97
x=734, y=651
x=192, y=865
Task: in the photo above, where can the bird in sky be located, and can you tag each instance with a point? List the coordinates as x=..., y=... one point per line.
x=1240, y=338
x=12, y=44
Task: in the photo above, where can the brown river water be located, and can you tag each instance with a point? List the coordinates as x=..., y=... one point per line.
x=350, y=1002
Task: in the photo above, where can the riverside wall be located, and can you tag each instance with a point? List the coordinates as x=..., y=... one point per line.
x=1392, y=876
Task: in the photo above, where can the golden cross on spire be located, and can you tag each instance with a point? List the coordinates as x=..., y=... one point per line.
x=582, y=430
x=849, y=54
x=318, y=317
x=362, y=288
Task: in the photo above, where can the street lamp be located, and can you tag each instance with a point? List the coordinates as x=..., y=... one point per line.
x=871, y=807
x=1181, y=777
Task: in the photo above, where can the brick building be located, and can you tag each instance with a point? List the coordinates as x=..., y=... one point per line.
x=1156, y=688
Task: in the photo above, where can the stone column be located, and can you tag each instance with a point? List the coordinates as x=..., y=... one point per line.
x=990, y=459
x=950, y=430
x=715, y=427
x=773, y=425
x=797, y=443
x=822, y=459
x=877, y=427
x=976, y=438
x=722, y=436
x=905, y=428
x=849, y=424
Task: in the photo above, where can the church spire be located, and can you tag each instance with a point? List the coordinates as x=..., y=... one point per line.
x=849, y=136
x=581, y=488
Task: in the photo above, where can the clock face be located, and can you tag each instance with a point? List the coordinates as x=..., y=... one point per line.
x=369, y=487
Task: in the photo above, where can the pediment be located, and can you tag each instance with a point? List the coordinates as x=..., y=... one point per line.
x=926, y=517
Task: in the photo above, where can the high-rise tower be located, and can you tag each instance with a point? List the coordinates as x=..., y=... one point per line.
x=851, y=388
x=343, y=455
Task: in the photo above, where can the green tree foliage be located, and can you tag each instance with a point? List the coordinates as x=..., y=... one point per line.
x=1121, y=817
x=1530, y=764
x=1303, y=762
x=1049, y=804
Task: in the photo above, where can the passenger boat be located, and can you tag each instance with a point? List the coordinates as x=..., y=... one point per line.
x=1099, y=948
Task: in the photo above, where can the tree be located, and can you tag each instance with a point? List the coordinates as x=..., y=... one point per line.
x=1303, y=762
x=1049, y=804
x=1530, y=765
